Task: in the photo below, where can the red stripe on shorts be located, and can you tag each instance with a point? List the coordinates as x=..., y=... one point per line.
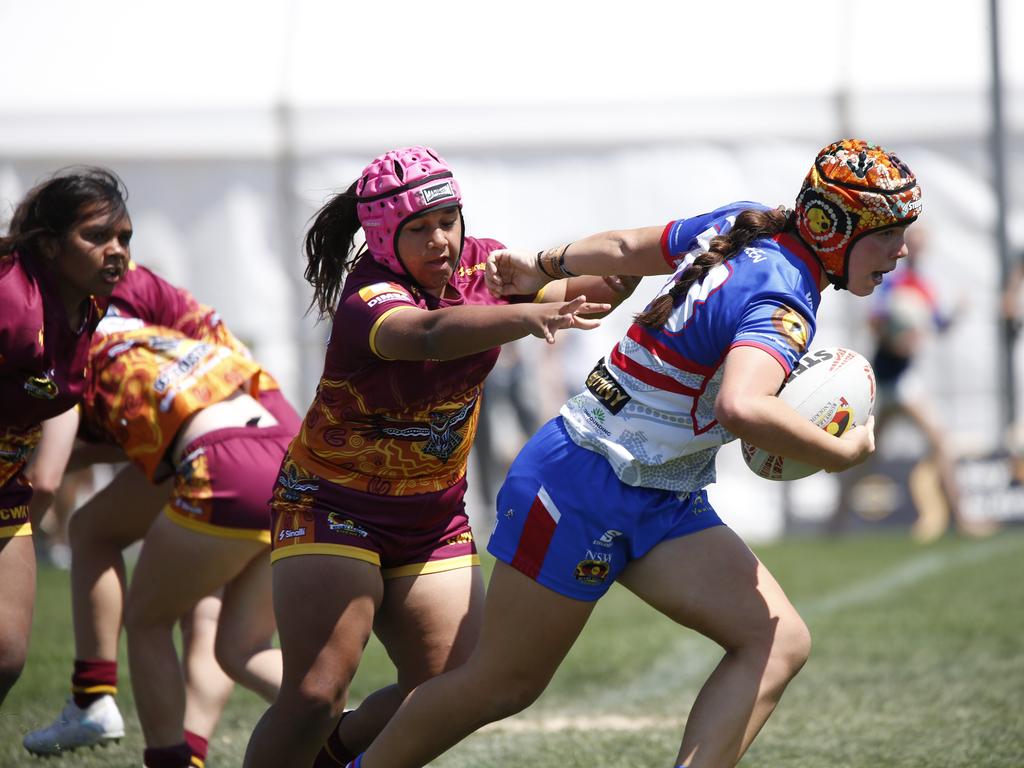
x=536, y=536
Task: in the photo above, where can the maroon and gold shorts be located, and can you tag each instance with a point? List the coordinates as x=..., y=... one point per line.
x=15, y=489
x=14, y=497
x=223, y=483
x=403, y=535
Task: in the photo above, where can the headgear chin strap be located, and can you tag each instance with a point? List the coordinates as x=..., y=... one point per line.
x=394, y=188
x=854, y=188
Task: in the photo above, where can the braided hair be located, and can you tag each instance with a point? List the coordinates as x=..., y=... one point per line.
x=750, y=225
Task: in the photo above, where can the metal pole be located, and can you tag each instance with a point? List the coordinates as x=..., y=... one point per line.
x=1006, y=261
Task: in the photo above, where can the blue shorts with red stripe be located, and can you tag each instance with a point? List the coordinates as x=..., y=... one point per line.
x=566, y=520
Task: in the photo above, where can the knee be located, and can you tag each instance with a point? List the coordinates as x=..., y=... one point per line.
x=146, y=615
x=791, y=645
x=234, y=654
x=511, y=695
x=12, y=662
x=315, y=700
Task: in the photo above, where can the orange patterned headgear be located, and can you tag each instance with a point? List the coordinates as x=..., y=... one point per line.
x=854, y=188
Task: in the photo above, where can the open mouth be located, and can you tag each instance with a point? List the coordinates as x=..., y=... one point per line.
x=112, y=273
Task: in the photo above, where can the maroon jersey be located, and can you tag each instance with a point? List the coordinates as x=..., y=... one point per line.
x=43, y=360
x=146, y=296
x=395, y=427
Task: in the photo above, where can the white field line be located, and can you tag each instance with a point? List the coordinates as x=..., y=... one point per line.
x=687, y=661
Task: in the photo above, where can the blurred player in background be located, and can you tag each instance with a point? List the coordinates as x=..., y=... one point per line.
x=67, y=243
x=613, y=488
x=905, y=316
x=185, y=401
x=370, y=528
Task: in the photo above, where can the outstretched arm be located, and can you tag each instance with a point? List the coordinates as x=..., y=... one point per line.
x=453, y=332
x=635, y=252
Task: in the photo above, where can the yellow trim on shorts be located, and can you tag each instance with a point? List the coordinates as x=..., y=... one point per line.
x=338, y=550
x=434, y=566
x=111, y=689
x=376, y=327
x=220, y=531
x=11, y=531
x=540, y=294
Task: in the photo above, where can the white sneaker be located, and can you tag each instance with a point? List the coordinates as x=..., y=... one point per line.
x=99, y=723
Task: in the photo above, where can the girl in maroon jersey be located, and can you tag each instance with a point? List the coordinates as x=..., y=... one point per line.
x=370, y=531
x=68, y=242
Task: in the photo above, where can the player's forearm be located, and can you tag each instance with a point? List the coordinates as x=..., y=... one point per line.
x=620, y=252
x=770, y=424
x=456, y=332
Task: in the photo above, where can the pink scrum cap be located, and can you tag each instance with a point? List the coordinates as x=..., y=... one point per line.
x=395, y=187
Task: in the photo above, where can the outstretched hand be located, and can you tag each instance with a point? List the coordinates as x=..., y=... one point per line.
x=513, y=273
x=544, y=320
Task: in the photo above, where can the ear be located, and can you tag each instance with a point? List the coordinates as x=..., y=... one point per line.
x=48, y=247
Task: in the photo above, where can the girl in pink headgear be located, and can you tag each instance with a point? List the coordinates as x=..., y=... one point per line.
x=370, y=531
x=613, y=488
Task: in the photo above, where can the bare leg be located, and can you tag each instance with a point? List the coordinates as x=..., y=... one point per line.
x=526, y=633
x=207, y=686
x=325, y=609
x=429, y=624
x=247, y=627
x=161, y=591
x=711, y=582
x=115, y=517
x=18, y=575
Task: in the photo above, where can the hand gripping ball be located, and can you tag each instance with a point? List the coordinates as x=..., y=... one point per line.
x=832, y=387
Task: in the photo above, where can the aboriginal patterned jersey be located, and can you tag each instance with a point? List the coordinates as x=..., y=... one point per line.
x=43, y=361
x=145, y=295
x=394, y=427
x=648, y=406
x=147, y=380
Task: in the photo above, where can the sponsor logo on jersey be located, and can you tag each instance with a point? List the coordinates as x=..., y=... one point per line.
x=291, y=533
x=606, y=389
x=591, y=571
x=381, y=293
x=336, y=523
x=436, y=192
x=42, y=387
x=792, y=327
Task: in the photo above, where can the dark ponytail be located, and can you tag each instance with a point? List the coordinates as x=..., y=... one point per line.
x=328, y=246
x=750, y=225
x=53, y=207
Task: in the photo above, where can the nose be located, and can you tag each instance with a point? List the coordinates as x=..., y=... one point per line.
x=437, y=238
x=116, y=248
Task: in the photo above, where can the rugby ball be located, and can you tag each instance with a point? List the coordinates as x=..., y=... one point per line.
x=831, y=387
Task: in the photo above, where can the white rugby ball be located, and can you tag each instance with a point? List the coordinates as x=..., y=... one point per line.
x=831, y=387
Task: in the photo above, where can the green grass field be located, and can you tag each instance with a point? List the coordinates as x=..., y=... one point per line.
x=918, y=661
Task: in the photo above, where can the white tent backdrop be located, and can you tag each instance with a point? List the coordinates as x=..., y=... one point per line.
x=232, y=122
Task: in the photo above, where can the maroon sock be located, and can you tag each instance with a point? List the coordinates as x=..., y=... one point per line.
x=199, y=747
x=93, y=678
x=178, y=756
x=334, y=754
